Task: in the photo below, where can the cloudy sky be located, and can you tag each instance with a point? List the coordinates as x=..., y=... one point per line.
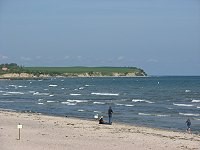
x=160, y=36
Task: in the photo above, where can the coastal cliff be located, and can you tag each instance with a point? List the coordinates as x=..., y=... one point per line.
x=13, y=71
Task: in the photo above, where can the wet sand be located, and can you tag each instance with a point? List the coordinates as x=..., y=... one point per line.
x=42, y=132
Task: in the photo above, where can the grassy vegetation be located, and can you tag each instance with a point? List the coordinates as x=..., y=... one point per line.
x=71, y=71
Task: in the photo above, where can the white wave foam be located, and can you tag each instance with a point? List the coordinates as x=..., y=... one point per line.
x=187, y=91
x=184, y=105
x=40, y=100
x=38, y=93
x=68, y=103
x=102, y=103
x=118, y=104
x=65, y=102
x=141, y=100
x=52, y=85
x=74, y=94
x=21, y=86
x=51, y=95
x=15, y=93
x=81, y=110
x=40, y=103
x=198, y=106
x=143, y=114
x=196, y=101
x=5, y=94
x=50, y=101
x=77, y=101
x=128, y=105
x=97, y=111
x=81, y=88
x=71, y=104
x=106, y=94
x=188, y=114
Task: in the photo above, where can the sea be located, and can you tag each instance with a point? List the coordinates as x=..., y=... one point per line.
x=164, y=102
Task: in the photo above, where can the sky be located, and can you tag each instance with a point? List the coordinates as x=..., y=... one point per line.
x=160, y=36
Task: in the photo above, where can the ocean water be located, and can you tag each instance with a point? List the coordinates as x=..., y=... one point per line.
x=160, y=102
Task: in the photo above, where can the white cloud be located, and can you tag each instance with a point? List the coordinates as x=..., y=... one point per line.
x=3, y=57
x=25, y=58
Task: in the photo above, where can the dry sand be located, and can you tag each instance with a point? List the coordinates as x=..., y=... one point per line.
x=41, y=132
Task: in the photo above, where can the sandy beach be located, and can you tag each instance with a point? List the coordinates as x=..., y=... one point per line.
x=42, y=132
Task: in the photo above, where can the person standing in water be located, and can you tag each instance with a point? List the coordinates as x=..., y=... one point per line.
x=188, y=123
x=110, y=111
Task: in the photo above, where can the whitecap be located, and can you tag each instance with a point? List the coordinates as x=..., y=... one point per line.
x=80, y=110
x=81, y=88
x=6, y=94
x=62, y=88
x=15, y=93
x=143, y=114
x=74, y=94
x=128, y=105
x=118, y=104
x=99, y=103
x=40, y=103
x=198, y=106
x=78, y=101
x=50, y=101
x=184, y=105
x=141, y=100
x=95, y=111
x=196, y=101
x=71, y=103
x=65, y=102
x=187, y=91
x=37, y=93
x=51, y=95
x=20, y=86
x=188, y=114
x=40, y=100
x=106, y=94
x=53, y=85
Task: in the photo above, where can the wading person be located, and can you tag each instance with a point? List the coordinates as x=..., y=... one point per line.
x=188, y=123
x=110, y=111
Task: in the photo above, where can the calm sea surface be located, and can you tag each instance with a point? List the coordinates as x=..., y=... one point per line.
x=161, y=102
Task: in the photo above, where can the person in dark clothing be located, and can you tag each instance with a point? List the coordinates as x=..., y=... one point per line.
x=188, y=123
x=110, y=111
x=101, y=120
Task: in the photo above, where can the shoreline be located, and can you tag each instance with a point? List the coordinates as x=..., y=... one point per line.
x=53, y=132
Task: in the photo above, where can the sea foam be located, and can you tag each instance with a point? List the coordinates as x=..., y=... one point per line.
x=184, y=105
x=106, y=94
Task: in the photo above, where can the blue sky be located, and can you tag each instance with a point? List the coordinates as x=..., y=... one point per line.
x=160, y=36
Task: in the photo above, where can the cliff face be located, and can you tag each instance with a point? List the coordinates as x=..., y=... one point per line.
x=94, y=74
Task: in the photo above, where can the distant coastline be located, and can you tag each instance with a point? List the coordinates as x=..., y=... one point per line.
x=13, y=71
